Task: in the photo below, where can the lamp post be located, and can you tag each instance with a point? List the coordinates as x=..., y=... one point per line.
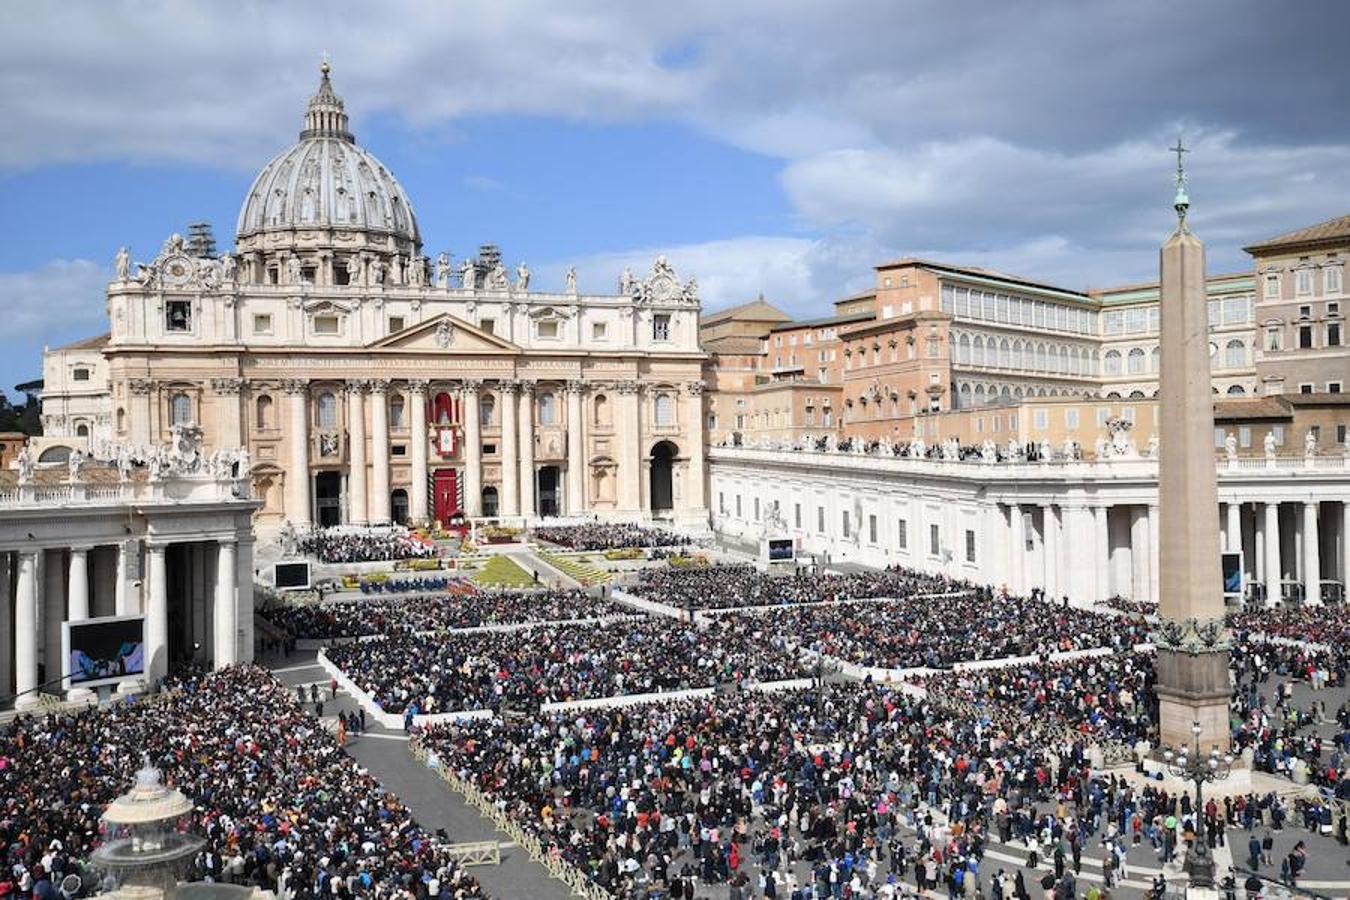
x=1200, y=768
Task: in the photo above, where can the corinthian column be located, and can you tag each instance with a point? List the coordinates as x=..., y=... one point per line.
x=229, y=412
x=1193, y=644
x=25, y=630
x=379, y=451
x=576, y=451
x=506, y=399
x=297, y=479
x=527, y=506
x=358, y=497
x=695, y=490
x=473, y=450
x=139, y=430
x=417, y=397
x=630, y=462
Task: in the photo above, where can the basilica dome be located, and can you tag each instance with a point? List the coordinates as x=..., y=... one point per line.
x=326, y=182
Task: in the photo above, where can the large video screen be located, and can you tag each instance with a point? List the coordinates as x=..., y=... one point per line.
x=107, y=650
x=781, y=550
x=292, y=576
x=1232, y=573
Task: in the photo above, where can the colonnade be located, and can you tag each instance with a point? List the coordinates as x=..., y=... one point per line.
x=41, y=588
x=1093, y=552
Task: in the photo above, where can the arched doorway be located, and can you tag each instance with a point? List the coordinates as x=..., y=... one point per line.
x=548, y=491
x=398, y=506
x=662, y=487
x=56, y=454
x=490, y=501
x=328, y=498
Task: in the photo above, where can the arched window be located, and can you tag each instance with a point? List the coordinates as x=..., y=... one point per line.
x=977, y=356
x=1063, y=360
x=443, y=409
x=180, y=409
x=326, y=410
x=487, y=411
x=1004, y=354
x=548, y=409
x=979, y=395
x=396, y=409
x=121, y=420
x=1112, y=362
x=601, y=410
x=1017, y=360
x=1136, y=395
x=262, y=412
x=665, y=409
x=1135, y=361
x=1041, y=361
x=82, y=430
x=965, y=396
x=1236, y=389
x=1235, y=354
x=1155, y=360
x=963, y=350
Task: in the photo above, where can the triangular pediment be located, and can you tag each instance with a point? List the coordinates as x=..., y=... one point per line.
x=443, y=333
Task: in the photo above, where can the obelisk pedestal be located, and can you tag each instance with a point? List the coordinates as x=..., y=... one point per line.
x=1192, y=664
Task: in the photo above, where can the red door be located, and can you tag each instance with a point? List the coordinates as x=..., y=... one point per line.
x=447, y=494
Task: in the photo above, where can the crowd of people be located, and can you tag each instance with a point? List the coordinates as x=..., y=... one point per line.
x=1328, y=625
x=453, y=672
x=1105, y=697
x=280, y=805
x=742, y=584
x=917, y=631
x=390, y=615
x=610, y=536
x=857, y=790
x=347, y=545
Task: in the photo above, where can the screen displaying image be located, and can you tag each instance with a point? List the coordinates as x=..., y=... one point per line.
x=780, y=549
x=106, y=649
x=1232, y=573
x=292, y=576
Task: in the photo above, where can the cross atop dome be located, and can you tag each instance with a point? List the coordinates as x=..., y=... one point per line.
x=326, y=115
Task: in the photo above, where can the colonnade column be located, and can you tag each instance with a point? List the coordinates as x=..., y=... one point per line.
x=358, y=496
x=1233, y=529
x=25, y=630
x=379, y=451
x=1271, y=532
x=993, y=542
x=297, y=479
x=243, y=604
x=630, y=463
x=1153, y=583
x=694, y=489
x=473, y=450
x=224, y=627
x=1312, y=561
x=417, y=396
x=527, y=506
x=1139, y=553
x=509, y=493
x=1051, y=526
x=77, y=610
x=7, y=561
x=156, y=615
x=1018, y=550
x=1102, y=552
x=576, y=451
x=1345, y=551
x=53, y=611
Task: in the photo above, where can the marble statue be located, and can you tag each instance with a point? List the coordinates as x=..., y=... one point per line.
x=918, y=449
x=229, y=267
x=242, y=463
x=1270, y=445
x=570, y=279
x=626, y=282
x=1101, y=448
x=75, y=464
x=1230, y=446
x=123, y=462
x=1153, y=445
x=418, y=265
x=468, y=274
x=122, y=264
x=157, y=463
x=1043, y=451
x=25, y=462
x=378, y=269
x=443, y=270
x=690, y=290
x=292, y=270
x=497, y=280
x=988, y=453
x=522, y=277
x=1309, y=443
x=354, y=269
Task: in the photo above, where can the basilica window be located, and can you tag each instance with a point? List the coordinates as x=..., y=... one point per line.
x=262, y=323
x=325, y=410
x=486, y=411
x=548, y=409
x=80, y=375
x=598, y=330
x=395, y=324
x=82, y=430
x=443, y=409
x=488, y=325
x=664, y=409
x=263, y=412
x=601, y=411
x=1112, y=361
x=396, y=408
x=1235, y=354
x=325, y=325
x=547, y=329
x=178, y=316
x=661, y=327
x=180, y=409
x=1136, y=361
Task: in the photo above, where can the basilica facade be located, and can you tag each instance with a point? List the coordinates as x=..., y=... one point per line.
x=372, y=384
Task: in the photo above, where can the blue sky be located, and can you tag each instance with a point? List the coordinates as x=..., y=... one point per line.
x=780, y=146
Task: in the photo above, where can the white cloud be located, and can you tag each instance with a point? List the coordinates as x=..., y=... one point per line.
x=62, y=300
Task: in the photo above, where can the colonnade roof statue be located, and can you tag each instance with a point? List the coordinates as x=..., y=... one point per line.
x=1193, y=650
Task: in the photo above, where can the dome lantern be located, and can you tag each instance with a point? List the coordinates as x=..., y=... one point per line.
x=326, y=115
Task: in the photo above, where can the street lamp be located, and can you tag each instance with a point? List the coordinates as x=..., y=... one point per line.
x=1200, y=768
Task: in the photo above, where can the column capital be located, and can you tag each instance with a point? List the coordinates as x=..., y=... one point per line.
x=527, y=387
x=227, y=541
x=81, y=548
x=294, y=386
x=471, y=385
x=695, y=388
x=228, y=387
x=576, y=386
x=379, y=386
x=627, y=387
x=508, y=386
x=140, y=387
x=156, y=547
x=358, y=385
x=418, y=385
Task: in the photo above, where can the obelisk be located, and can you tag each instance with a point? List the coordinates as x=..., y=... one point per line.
x=1192, y=642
